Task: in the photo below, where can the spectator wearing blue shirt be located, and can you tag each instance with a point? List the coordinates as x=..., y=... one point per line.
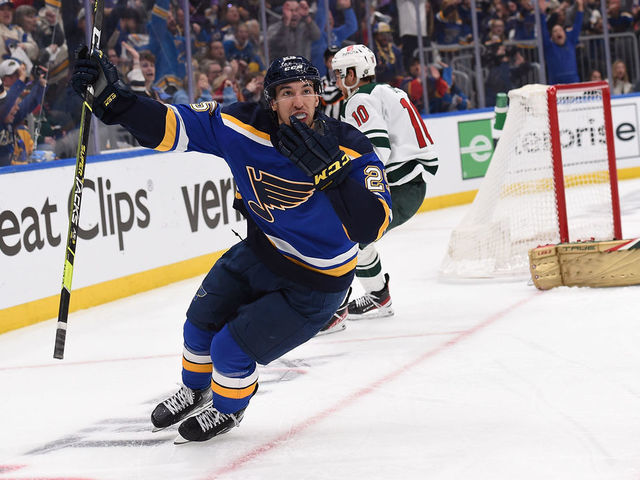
x=13, y=110
x=338, y=34
x=241, y=48
x=167, y=45
x=449, y=26
x=560, y=48
x=202, y=90
x=216, y=53
x=619, y=19
x=524, y=23
x=231, y=21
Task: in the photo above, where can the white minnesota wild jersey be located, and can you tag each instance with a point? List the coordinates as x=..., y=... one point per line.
x=395, y=128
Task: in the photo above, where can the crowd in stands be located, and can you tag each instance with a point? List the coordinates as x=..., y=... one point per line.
x=146, y=40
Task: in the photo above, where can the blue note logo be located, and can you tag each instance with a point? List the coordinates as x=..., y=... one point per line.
x=276, y=193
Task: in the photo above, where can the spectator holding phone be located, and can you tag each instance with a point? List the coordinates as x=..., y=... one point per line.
x=294, y=34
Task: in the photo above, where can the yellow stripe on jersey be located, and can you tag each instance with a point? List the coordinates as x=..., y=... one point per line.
x=170, y=125
x=236, y=393
x=352, y=153
x=384, y=225
x=196, y=367
x=334, y=272
x=246, y=127
x=346, y=233
x=387, y=214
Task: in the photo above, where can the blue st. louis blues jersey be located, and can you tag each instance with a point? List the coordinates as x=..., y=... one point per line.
x=285, y=213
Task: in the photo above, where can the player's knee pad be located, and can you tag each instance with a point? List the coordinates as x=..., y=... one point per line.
x=367, y=255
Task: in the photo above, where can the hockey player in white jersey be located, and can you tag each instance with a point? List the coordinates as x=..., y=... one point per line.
x=401, y=140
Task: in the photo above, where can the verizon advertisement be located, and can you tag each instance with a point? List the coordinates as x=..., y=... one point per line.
x=136, y=214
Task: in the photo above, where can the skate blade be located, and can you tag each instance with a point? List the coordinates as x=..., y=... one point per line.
x=180, y=440
x=195, y=412
x=378, y=313
x=338, y=328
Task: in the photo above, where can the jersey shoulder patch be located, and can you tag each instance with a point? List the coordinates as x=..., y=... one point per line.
x=204, y=107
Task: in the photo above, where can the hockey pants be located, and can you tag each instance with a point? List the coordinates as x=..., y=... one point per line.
x=244, y=314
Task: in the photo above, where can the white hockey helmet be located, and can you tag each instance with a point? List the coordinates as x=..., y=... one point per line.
x=358, y=57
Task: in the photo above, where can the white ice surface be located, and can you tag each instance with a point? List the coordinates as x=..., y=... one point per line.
x=469, y=380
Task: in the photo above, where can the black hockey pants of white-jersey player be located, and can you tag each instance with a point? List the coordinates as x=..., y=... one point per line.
x=400, y=138
x=304, y=183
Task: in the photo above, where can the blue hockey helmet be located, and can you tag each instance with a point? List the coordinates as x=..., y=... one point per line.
x=289, y=69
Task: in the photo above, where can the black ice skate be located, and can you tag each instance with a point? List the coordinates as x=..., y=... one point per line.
x=179, y=406
x=372, y=305
x=338, y=319
x=207, y=425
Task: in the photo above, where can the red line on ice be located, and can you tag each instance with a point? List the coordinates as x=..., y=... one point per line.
x=283, y=438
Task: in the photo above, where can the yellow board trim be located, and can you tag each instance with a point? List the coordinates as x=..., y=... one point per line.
x=197, y=367
x=42, y=309
x=47, y=308
x=170, y=127
x=236, y=393
x=446, y=201
x=628, y=173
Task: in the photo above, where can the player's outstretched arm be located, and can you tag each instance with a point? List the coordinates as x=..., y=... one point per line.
x=114, y=102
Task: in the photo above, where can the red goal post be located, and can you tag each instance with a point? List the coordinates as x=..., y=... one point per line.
x=552, y=178
x=556, y=153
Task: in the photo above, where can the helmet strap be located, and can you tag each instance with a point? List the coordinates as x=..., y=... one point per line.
x=351, y=89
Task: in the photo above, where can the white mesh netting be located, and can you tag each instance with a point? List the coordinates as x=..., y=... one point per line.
x=515, y=208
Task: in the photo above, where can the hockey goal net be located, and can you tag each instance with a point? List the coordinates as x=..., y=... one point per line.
x=552, y=179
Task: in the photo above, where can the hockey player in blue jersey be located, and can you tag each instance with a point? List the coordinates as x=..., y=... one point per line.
x=310, y=187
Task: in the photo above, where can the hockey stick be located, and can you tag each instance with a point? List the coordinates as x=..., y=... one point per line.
x=78, y=184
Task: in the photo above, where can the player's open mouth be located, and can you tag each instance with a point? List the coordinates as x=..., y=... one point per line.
x=300, y=115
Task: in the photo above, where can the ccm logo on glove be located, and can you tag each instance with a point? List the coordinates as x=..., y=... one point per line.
x=331, y=169
x=315, y=151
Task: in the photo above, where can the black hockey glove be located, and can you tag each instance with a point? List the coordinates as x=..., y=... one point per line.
x=111, y=96
x=315, y=152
